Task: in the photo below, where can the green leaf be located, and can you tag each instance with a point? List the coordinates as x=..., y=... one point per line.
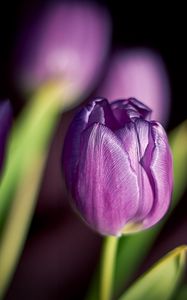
x=28, y=150
x=30, y=135
x=182, y=293
x=178, y=141
x=93, y=291
x=131, y=252
x=161, y=280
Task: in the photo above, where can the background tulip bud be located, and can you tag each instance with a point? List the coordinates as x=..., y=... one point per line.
x=5, y=123
x=118, y=166
x=67, y=43
x=140, y=73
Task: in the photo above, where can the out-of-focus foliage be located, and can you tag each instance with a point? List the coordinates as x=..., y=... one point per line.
x=182, y=293
x=27, y=155
x=161, y=280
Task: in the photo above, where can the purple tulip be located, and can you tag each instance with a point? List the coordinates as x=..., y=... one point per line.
x=118, y=166
x=140, y=73
x=5, y=124
x=67, y=43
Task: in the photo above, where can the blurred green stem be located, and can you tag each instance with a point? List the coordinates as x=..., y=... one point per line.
x=30, y=135
x=107, y=267
x=28, y=151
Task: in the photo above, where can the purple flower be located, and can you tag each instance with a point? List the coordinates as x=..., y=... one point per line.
x=140, y=73
x=5, y=124
x=118, y=166
x=67, y=43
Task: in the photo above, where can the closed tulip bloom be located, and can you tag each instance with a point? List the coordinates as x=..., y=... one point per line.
x=5, y=124
x=118, y=166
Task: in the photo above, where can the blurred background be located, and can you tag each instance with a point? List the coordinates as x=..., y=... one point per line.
x=61, y=252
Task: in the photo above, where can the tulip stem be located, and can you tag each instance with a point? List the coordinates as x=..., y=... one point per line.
x=27, y=156
x=107, y=267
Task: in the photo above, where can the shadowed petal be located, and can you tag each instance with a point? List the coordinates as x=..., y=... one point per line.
x=107, y=187
x=102, y=113
x=134, y=137
x=144, y=110
x=71, y=148
x=97, y=111
x=158, y=160
x=126, y=110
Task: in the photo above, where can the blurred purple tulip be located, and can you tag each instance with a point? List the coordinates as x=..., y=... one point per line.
x=68, y=43
x=118, y=166
x=139, y=73
x=5, y=124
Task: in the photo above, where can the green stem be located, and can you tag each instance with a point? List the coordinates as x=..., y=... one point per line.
x=107, y=267
x=28, y=151
x=30, y=135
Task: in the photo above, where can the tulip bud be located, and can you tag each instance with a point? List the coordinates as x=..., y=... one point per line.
x=118, y=166
x=5, y=123
x=140, y=73
x=68, y=43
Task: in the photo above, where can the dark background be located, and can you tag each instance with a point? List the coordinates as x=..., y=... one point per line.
x=61, y=252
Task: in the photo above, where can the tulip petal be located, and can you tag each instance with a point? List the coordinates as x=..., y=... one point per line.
x=134, y=137
x=144, y=110
x=102, y=113
x=97, y=111
x=158, y=163
x=107, y=187
x=71, y=148
x=125, y=110
x=120, y=114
